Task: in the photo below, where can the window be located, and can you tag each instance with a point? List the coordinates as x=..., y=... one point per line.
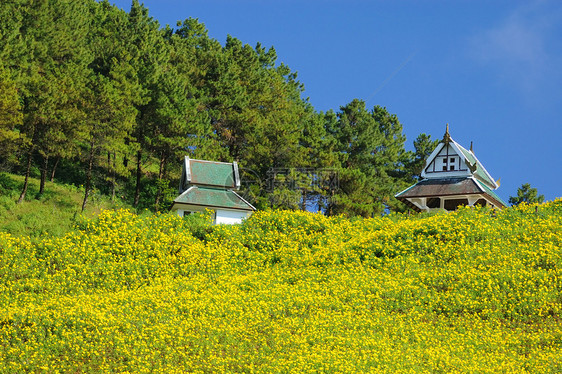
x=480, y=202
x=445, y=159
x=453, y=204
x=452, y=163
x=433, y=202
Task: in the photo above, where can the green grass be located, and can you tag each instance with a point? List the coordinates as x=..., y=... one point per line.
x=55, y=212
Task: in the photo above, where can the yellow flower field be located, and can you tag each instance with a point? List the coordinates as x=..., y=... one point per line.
x=473, y=291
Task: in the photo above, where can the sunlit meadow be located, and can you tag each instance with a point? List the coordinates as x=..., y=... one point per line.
x=475, y=291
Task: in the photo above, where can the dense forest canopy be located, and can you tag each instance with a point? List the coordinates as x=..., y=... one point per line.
x=111, y=100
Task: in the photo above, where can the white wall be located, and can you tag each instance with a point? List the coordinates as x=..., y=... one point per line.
x=182, y=212
x=230, y=217
x=221, y=215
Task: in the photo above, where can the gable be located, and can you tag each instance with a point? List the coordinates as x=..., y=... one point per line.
x=450, y=160
x=446, y=159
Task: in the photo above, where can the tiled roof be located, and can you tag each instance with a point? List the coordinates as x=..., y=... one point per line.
x=450, y=187
x=493, y=195
x=441, y=187
x=213, y=198
x=480, y=172
x=209, y=173
x=212, y=173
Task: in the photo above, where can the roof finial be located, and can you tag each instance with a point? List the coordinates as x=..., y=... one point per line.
x=447, y=137
x=471, y=150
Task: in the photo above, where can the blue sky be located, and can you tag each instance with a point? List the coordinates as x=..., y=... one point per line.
x=491, y=69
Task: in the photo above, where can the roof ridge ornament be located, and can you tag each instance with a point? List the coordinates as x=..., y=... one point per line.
x=471, y=150
x=471, y=166
x=447, y=137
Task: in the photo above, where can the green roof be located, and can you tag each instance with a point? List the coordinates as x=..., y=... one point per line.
x=480, y=172
x=213, y=198
x=212, y=173
x=493, y=194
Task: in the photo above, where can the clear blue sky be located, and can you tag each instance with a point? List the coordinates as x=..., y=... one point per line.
x=491, y=69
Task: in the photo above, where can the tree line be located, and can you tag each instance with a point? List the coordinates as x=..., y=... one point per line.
x=108, y=99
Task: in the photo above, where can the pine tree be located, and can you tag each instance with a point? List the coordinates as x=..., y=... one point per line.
x=526, y=194
x=111, y=94
x=10, y=116
x=371, y=152
x=423, y=146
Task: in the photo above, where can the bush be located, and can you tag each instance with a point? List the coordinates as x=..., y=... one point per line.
x=468, y=291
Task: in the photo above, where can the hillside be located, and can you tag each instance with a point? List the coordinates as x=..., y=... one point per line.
x=470, y=291
x=55, y=212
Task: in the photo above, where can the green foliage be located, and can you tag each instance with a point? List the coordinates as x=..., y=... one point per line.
x=199, y=224
x=10, y=115
x=87, y=86
x=371, y=155
x=526, y=194
x=423, y=146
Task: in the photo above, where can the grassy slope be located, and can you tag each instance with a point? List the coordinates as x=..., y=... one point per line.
x=467, y=292
x=55, y=212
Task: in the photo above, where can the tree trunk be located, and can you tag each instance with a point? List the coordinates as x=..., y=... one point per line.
x=110, y=177
x=88, y=175
x=304, y=200
x=160, y=176
x=55, y=169
x=139, y=175
x=43, y=174
x=27, y=171
x=113, y=179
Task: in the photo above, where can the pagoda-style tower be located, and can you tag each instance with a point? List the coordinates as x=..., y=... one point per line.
x=210, y=185
x=452, y=177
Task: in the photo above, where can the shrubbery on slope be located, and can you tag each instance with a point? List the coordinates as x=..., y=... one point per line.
x=473, y=290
